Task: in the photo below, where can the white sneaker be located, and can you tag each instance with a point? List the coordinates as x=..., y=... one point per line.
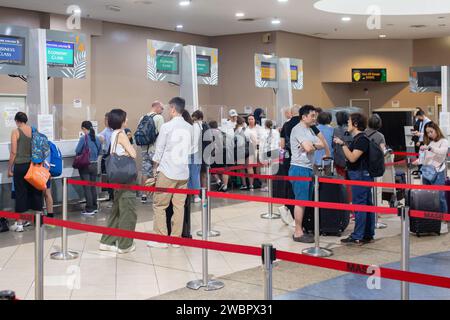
x=105, y=247
x=444, y=228
x=285, y=214
x=197, y=199
x=16, y=227
x=158, y=245
x=293, y=224
x=27, y=224
x=89, y=214
x=129, y=250
x=176, y=246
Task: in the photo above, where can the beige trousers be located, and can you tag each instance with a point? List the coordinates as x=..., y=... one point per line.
x=162, y=200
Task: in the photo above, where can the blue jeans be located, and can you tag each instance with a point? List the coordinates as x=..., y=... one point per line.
x=365, y=221
x=194, y=175
x=440, y=181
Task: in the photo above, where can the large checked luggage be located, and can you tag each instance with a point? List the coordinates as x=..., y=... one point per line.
x=424, y=200
x=332, y=222
x=186, y=221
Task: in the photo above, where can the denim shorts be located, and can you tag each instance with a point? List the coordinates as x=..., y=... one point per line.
x=303, y=190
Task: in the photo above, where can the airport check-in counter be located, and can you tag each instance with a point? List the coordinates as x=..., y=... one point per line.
x=67, y=148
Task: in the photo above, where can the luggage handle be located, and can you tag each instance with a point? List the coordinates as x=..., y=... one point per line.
x=331, y=159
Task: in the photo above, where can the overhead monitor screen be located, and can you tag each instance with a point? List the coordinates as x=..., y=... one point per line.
x=294, y=73
x=12, y=50
x=203, y=66
x=167, y=62
x=60, y=54
x=268, y=71
x=429, y=79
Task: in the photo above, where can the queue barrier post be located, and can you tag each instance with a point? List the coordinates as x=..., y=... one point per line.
x=270, y=215
x=405, y=250
x=212, y=233
x=268, y=257
x=64, y=254
x=317, y=251
x=209, y=285
x=39, y=257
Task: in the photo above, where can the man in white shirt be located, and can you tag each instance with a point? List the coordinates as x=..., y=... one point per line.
x=148, y=151
x=171, y=160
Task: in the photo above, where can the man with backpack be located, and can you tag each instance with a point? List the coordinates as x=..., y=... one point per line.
x=145, y=137
x=365, y=162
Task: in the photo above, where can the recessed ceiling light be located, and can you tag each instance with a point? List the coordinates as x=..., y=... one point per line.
x=345, y=19
x=240, y=14
x=387, y=7
x=283, y=0
x=185, y=3
x=382, y=36
x=276, y=21
x=179, y=26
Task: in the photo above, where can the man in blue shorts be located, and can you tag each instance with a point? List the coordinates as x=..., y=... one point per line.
x=304, y=144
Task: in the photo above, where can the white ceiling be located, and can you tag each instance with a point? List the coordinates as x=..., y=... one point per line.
x=217, y=17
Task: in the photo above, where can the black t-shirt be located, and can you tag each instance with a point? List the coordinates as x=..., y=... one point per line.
x=360, y=142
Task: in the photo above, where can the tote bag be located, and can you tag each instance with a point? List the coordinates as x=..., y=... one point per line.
x=83, y=160
x=120, y=169
x=37, y=176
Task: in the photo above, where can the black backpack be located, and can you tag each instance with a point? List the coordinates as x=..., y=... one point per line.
x=145, y=134
x=376, y=158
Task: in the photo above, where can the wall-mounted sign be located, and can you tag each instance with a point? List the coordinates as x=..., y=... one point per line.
x=164, y=61
x=66, y=55
x=369, y=75
x=425, y=79
x=13, y=50
x=266, y=71
x=297, y=74
x=207, y=66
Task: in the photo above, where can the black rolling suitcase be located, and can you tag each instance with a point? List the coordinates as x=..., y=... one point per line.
x=186, y=221
x=332, y=222
x=424, y=200
x=282, y=188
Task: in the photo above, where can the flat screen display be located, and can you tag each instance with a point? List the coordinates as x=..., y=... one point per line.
x=203, y=66
x=167, y=62
x=294, y=73
x=429, y=79
x=268, y=71
x=60, y=54
x=12, y=50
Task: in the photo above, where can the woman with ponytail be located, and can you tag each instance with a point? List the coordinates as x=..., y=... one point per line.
x=89, y=140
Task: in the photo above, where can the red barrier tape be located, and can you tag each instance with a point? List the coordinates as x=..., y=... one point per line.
x=384, y=185
x=409, y=154
x=322, y=205
x=391, y=164
x=201, y=244
x=16, y=216
x=429, y=215
x=132, y=187
x=425, y=279
x=234, y=168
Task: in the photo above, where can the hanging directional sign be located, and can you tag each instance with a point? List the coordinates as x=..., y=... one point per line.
x=66, y=55
x=13, y=50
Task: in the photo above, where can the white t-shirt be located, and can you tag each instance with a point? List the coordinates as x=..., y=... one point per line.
x=117, y=149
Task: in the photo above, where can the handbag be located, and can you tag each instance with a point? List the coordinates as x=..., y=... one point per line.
x=83, y=160
x=429, y=173
x=37, y=176
x=120, y=169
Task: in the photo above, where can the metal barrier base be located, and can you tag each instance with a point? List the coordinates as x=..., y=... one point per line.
x=272, y=216
x=70, y=255
x=212, y=233
x=381, y=225
x=210, y=286
x=318, y=252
